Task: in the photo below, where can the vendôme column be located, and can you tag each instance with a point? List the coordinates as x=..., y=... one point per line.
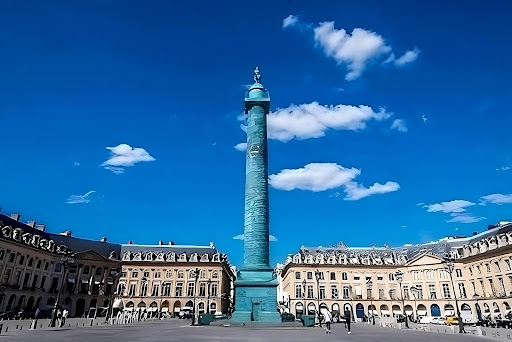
x=256, y=286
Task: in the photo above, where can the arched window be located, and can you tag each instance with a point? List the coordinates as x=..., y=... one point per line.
x=496, y=308
x=168, y=274
x=38, y=265
x=191, y=274
x=486, y=308
x=21, y=260
x=30, y=262
x=215, y=275
x=203, y=274
x=12, y=256
x=180, y=274
x=213, y=307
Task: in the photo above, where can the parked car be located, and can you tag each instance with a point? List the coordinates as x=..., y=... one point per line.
x=425, y=319
x=451, y=320
x=287, y=317
x=438, y=321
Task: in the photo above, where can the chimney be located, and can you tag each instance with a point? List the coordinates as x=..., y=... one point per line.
x=31, y=223
x=130, y=242
x=40, y=227
x=66, y=233
x=15, y=217
x=104, y=239
x=171, y=243
x=475, y=233
x=160, y=243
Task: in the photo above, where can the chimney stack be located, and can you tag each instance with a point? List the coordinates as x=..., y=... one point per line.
x=104, y=239
x=40, y=227
x=15, y=217
x=31, y=223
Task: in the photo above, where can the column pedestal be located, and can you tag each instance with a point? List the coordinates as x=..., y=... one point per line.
x=255, y=297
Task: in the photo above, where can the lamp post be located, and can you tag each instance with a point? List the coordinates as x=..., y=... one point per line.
x=209, y=282
x=115, y=274
x=304, y=296
x=399, y=275
x=66, y=259
x=415, y=292
x=449, y=267
x=369, y=285
x=196, y=273
x=317, y=276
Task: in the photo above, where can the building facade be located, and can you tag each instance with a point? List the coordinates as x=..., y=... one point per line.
x=364, y=280
x=170, y=278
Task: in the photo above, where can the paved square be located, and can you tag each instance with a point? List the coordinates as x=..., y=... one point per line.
x=178, y=330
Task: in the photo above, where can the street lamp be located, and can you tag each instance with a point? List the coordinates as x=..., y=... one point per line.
x=369, y=285
x=415, y=292
x=115, y=274
x=304, y=296
x=317, y=276
x=208, y=282
x=196, y=273
x=449, y=267
x=66, y=259
x=399, y=275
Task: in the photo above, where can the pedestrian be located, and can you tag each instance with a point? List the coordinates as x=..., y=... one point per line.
x=64, y=316
x=328, y=320
x=59, y=318
x=347, y=320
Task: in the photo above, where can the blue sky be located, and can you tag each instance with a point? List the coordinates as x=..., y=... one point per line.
x=167, y=79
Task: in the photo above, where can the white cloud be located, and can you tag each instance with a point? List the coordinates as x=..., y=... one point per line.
x=324, y=176
x=408, y=57
x=503, y=168
x=496, y=199
x=424, y=118
x=399, y=125
x=357, y=191
x=74, y=199
x=241, y=146
x=77, y=164
x=311, y=120
x=290, y=21
x=123, y=155
x=464, y=218
x=455, y=206
x=271, y=238
x=355, y=50
x=313, y=177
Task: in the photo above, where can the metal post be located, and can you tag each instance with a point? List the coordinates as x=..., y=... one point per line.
x=369, y=285
x=317, y=276
x=449, y=266
x=196, y=274
x=209, y=282
x=66, y=259
x=400, y=277
x=304, y=297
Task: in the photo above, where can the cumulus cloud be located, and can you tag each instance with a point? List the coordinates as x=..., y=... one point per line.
x=357, y=191
x=503, y=168
x=290, y=21
x=456, y=209
x=271, y=238
x=123, y=155
x=311, y=120
x=498, y=199
x=399, y=125
x=356, y=50
x=77, y=164
x=325, y=176
x=313, y=177
x=241, y=146
x=74, y=199
x=455, y=206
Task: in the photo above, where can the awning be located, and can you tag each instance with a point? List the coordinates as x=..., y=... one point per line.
x=153, y=308
x=384, y=312
x=128, y=309
x=177, y=309
x=165, y=309
x=397, y=311
x=422, y=312
x=408, y=311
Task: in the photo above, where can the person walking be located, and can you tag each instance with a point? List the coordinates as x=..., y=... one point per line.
x=64, y=316
x=348, y=320
x=327, y=320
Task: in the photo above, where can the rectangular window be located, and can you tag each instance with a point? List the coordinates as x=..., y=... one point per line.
x=488, y=268
x=298, y=291
x=202, y=290
x=474, y=287
x=346, y=292
x=391, y=277
x=310, y=291
x=379, y=278
x=478, y=269
x=310, y=275
x=443, y=274
x=502, y=284
x=462, y=290
x=507, y=263
x=368, y=293
x=166, y=289
x=406, y=292
x=156, y=290
x=458, y=273
x=497, y=266
x=131, y=290
x=322, y=292
x=446, y=291
x=482, y=286
x=493, y=290
x=357, y=276
x=190, y=289
x=419, y=292
x=471, y=271
x=381, y=294
x=146, y=274
x=334, y=292
x=178, y=292
x=333, y=276
x=297, y=275
x=344, y=276
x=430, y=274
x=432, y=291
x=7, y=275
x=214, y=290
x=43, y=282
x=321, y=275
x=416, y=275
x=144, y=289
x=135, y=274
x=158, y=275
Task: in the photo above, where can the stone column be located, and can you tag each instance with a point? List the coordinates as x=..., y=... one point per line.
x=78, y=280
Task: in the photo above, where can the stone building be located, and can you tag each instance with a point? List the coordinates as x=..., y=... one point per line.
x=162, y=278
x=364, y=280
x=32, y=272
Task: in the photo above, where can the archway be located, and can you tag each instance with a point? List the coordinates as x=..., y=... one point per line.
x=335, y=309
x=435, y=311
x=94, y=303
x=478, y=312
x=421, y=310
x=359, y=310
x=449, y=310
x=38, y=302
x=495, y=309
x=10, y=303
x=299, y=309
x=176, y=307
x=50, y=301
x=80, y=307
x=213, y=308
x=2, y=298
x=408, y=310
x=129, y=306
x=372, y=310
x=396, y=310
x=141, y=306
x=189, y=305
x=67, y=303
x=30, y=303
x=153, y=308
x=384, y=310
x=311, y=308
x=200, y=308
x=21, y=301
x=465, y=313
x=348, y=307
x=164, y=307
